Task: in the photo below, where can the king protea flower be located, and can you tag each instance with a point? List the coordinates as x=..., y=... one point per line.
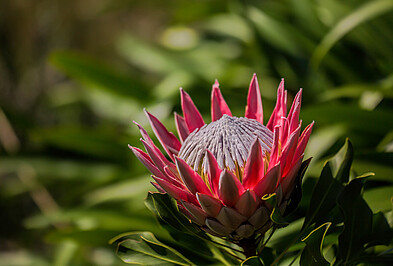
x=219, y=172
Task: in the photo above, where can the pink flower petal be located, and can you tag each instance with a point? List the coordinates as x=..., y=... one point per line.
x=210, y=205
x=293, y=116
x=169, y=171
x=284, y=130
x=147, y=138
x=275, y=152
x=192, y=180
x=280, y=109
x=288, y=181
x=175, y=192
x=154, y=156
x=254, y=108
x=303, y=140
x=230, y=218
x=247, y=203
x=157, y=186
x=218, y=105
x=269, y=182
x=144, y=158
x=191, y=114
x=254, y=169
x=181, y=127
x=288, y=151
x=229, y=189
x=197, y=213
x=213, y=171
x=170, y=143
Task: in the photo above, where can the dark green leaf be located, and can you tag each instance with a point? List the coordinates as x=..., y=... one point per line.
x=324, y=196
x=358, y=219
x=277, y=218
x=252, y=261
x=266, y=255
x=381, y=233
x=144, y=248
x=312, y=253
x=296, y=195
x=165, y=208
x=275, y=215
x=343, y=161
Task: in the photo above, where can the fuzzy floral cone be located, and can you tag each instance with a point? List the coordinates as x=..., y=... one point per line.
x=220, y=172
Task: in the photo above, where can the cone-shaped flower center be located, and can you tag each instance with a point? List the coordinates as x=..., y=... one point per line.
x=229, y=139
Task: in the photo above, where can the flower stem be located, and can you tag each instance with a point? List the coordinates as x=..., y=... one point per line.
x=249, y=246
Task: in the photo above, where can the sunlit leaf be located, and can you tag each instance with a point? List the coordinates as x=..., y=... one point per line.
x=379, y=198
x=364, y=13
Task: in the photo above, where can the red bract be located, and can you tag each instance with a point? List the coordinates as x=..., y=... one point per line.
x=220, y=172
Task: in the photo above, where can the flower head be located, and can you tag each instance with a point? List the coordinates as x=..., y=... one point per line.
x=220, y=172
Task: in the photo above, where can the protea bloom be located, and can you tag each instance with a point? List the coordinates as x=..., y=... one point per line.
x=219, y=172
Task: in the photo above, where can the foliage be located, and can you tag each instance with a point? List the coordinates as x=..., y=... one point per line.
x=68, y=183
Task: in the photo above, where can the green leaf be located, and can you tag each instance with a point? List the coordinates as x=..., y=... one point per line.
x=355, y=118
x=165, y=208
x=358, y=219
x=379, y=198
x=186, y=234
x=252, y=261
x=366, y=12
x=276, y=216
x=381, y=233
x=342, y=161
x=93, y=73
x=312, y=253
x=296, y=195
x=324, y=196
x=143, y=248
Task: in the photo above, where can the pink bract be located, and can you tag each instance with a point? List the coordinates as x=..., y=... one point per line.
x=220, y=172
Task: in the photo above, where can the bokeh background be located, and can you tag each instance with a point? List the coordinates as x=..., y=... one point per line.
x=75, y=74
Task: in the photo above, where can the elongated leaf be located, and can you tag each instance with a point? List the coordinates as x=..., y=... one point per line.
x=144, y=248
x=93, y=73
x=252, y=261
x=358, y=219
x=312, y=253
x=324, y=196
x=366, y=12
x=377, y=121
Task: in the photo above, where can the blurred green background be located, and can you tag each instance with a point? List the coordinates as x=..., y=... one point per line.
x=75, y=74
